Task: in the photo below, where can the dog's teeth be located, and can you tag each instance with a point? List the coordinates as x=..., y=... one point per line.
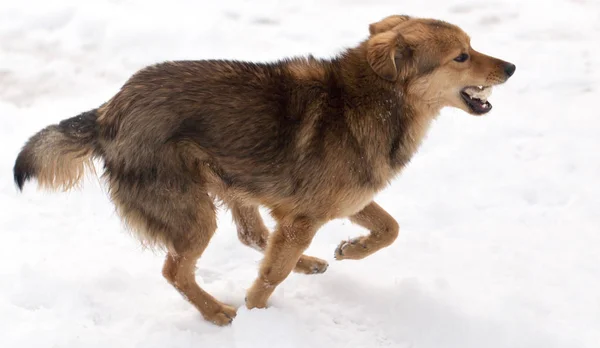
x=478, y=92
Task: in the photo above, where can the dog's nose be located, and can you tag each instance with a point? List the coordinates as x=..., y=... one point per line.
x=509, y=69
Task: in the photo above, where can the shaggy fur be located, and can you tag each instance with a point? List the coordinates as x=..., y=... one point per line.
x=312, y=140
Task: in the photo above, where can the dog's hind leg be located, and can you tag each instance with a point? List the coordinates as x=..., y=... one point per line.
x=253, y=233
x=251, y=229
x=179, y=271
x=384, y=230
x=181, y=262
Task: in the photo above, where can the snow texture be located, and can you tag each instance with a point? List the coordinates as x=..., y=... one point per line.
x=499, y=215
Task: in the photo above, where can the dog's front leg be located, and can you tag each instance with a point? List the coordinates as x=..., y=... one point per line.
x=384, y=230
x=284, y=248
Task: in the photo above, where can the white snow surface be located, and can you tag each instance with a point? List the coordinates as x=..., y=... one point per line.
x=499, y=215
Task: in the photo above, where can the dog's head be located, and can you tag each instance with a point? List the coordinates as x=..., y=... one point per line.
x=434, y=60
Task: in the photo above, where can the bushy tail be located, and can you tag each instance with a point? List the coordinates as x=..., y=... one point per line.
x=58, y=155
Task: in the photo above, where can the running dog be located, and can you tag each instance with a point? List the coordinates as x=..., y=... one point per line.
x=310, y=139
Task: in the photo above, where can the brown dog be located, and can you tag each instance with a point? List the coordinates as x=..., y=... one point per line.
x=312, y=140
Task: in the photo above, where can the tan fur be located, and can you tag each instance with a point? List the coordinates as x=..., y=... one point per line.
x=307, y=69
x=384, y=230
x=387, y=24
x=285, y=247
x=311, y=140
x=253, y=233
x=65, y=173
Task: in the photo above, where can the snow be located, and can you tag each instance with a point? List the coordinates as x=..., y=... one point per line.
x=499, y=243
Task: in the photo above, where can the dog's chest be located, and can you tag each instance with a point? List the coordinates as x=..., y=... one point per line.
x=414, y=127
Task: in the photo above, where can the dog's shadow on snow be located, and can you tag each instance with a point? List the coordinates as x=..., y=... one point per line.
x=407, y=316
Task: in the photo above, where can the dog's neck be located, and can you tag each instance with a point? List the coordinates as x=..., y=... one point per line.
x=407, y=113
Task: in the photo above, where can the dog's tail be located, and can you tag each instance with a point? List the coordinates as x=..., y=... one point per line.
x=58, y=155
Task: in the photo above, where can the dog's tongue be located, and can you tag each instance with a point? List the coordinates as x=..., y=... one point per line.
x=480, y=105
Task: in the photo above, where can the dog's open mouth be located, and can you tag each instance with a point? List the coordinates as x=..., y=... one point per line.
x=476, y=98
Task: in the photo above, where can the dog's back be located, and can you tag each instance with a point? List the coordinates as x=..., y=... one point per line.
x=253, y=131
x=238, y=117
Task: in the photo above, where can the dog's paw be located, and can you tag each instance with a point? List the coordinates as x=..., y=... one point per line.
x=223, y=316
x=353, y=249
x=311, y=265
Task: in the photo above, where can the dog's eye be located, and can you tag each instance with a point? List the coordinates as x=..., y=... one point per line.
x=462, y=58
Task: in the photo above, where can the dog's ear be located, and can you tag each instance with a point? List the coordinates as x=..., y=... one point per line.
x=386, y=24
x=388, y=55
